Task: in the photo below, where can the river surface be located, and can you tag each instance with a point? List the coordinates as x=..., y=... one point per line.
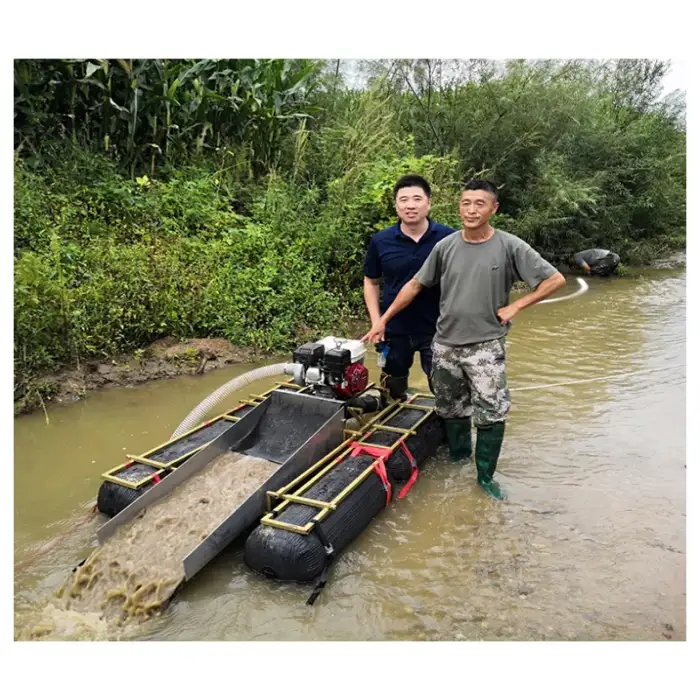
x=590, y=544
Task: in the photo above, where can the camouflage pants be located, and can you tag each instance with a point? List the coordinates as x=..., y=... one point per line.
x=470, y=380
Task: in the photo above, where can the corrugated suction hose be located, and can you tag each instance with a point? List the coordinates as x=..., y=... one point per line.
x=200, y=411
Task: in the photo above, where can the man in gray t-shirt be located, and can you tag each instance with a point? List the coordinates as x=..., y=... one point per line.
x=476, y=269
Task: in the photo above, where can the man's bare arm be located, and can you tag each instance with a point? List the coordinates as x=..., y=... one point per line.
x=408, y=293
x=371, y=294
x=542, y=291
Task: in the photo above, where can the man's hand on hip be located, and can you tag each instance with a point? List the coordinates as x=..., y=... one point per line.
x=507, y=313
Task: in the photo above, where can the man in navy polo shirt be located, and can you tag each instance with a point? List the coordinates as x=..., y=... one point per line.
x=395, y=255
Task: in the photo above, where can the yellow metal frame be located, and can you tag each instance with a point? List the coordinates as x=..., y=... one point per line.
x=374, y=425
x=350, y=435
x=135, y=484
x=146, y=461
x=163, y=467
x=343, y=448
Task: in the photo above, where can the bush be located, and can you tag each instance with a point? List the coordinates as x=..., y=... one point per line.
x=237, y=198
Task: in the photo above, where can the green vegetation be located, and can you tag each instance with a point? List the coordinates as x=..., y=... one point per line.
x=236, y=198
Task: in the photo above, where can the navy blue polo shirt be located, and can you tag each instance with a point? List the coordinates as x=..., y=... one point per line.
x=396, y=258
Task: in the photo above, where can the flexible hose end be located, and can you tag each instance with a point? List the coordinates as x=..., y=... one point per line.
x=200, y=411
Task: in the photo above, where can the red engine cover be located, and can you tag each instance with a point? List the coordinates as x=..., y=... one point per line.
x=355, y=380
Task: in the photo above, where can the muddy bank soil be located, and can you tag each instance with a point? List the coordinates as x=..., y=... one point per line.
x=167, y=357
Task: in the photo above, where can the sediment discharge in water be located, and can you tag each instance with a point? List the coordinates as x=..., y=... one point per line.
x=135, y=572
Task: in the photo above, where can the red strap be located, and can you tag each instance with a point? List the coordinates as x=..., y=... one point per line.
x=380, y=453
x=414, y=470
x=156, y=479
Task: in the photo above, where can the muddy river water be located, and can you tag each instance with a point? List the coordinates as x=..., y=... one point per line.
x=590, y=544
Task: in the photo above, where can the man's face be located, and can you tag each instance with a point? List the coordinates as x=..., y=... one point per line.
x=476, y=207
x=412, y=204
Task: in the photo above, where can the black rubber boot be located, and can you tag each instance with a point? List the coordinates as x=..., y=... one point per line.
x=392, y=388
x=459, y=438
x=488, y=448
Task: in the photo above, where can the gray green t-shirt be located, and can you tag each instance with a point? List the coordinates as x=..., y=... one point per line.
x=475, y=281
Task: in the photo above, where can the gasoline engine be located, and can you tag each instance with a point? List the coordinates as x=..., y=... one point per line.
x=332, y=367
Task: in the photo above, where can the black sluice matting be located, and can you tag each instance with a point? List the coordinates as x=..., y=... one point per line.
x=136, y=472
x=282, y=430
x=191, y=442
x=422, y=445
x=424, y=401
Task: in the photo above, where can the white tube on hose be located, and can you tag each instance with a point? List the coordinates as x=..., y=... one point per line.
x=582, y=289
x=200, y=411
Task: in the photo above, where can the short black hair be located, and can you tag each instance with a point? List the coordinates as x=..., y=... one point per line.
x=481, y=185
x=412, y=181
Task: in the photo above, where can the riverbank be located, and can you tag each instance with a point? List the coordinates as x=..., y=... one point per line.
x=165, y=358
x=171, y=357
